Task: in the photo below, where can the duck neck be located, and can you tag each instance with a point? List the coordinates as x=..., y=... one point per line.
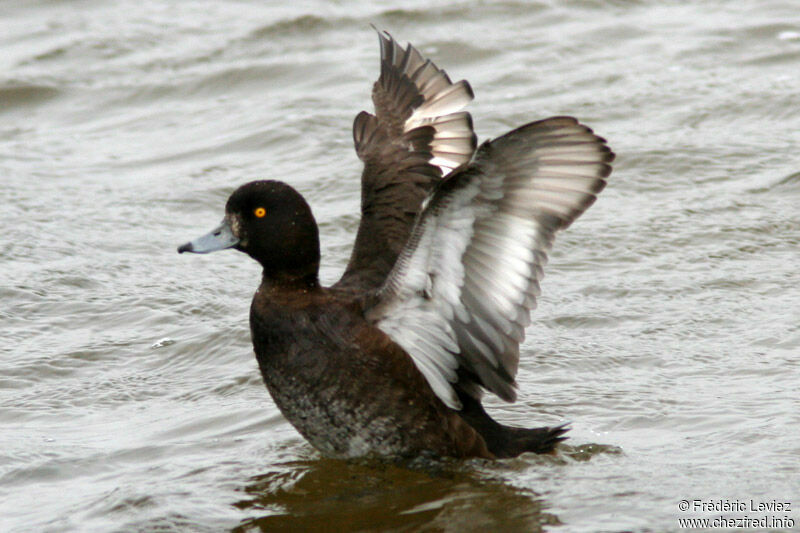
x=290, y=281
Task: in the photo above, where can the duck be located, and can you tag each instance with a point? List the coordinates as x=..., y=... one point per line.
x=395, y=358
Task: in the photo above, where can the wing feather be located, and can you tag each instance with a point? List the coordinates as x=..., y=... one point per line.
x=418, y=134
x=459, y=297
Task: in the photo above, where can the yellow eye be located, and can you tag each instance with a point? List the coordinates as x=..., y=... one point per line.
x=260, y=212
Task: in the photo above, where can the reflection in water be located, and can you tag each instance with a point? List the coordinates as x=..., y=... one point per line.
x=335, y=495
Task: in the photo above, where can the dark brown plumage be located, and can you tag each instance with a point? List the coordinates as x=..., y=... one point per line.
x=394, y=358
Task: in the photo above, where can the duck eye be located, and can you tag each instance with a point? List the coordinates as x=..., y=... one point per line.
x=259, y=212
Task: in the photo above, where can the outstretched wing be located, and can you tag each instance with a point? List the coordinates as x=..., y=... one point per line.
x=417, y=135
x=460, y=295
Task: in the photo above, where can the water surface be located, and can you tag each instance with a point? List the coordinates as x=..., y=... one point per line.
x=667, y=333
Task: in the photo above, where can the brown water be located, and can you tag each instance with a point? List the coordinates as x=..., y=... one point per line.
x=668, y=332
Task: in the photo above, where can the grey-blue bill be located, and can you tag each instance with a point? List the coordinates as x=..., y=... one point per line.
x=219, y=238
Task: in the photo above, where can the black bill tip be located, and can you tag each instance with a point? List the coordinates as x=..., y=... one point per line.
x=219, y=238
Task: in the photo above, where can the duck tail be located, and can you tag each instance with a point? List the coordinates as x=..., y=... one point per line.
x=507, y=441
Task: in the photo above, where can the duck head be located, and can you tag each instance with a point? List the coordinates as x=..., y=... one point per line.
x=273, y=224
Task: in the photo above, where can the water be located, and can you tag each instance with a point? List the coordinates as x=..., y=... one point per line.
x=668, y=328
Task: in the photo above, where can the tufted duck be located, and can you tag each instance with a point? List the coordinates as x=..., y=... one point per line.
x=394, y=358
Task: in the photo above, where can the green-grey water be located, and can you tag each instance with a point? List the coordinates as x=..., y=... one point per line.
x=668, y=331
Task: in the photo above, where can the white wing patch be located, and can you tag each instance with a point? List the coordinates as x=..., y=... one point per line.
x=453, y=141
x=461, y=291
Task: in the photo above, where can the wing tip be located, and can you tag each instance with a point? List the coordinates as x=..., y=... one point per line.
x=413, y=92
